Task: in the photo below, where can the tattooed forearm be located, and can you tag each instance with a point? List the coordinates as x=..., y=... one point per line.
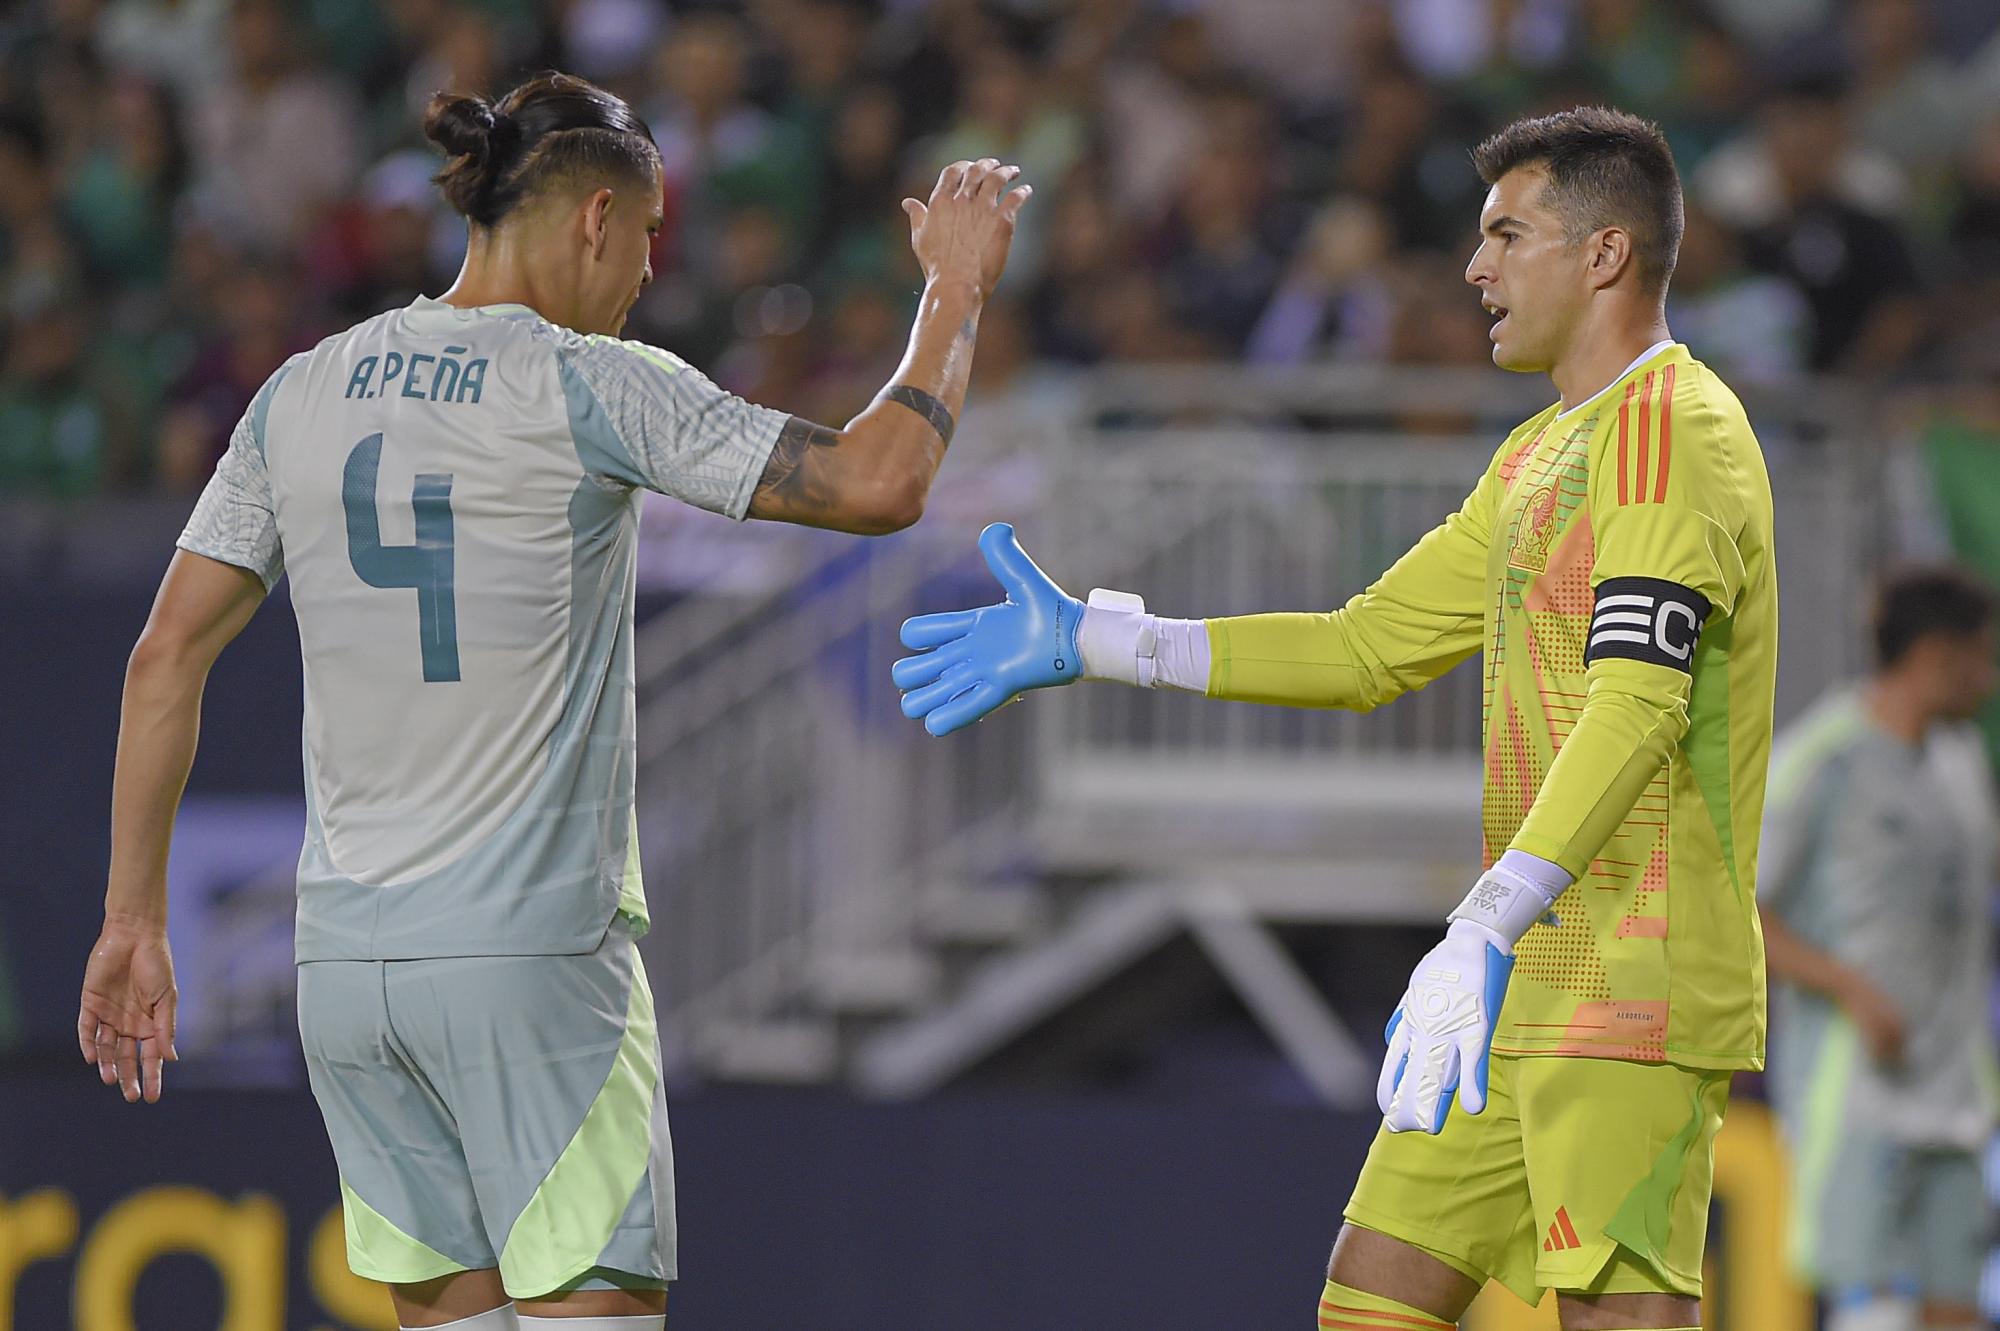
x=790, y=476
x=927, y=406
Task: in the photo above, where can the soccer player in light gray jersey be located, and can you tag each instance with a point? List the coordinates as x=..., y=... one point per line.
x=1877, y=891
x=454, y=489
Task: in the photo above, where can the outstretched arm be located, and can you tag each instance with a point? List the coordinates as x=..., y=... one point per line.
x=125, y=1024
x=1422, y=617
x=1418, y=620
x=874, y=475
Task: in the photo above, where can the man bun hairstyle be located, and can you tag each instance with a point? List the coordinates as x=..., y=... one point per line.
x=1928, y=600
x=554, y=129
x=1605, y=168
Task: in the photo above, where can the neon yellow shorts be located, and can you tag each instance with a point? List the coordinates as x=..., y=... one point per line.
x=1583, y=1174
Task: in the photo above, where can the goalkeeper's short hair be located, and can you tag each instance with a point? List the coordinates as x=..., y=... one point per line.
x=1927, y=600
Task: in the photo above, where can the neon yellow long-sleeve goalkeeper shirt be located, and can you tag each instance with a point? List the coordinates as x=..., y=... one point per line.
x=1615, y=563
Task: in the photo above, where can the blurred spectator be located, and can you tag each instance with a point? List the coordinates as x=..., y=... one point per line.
x=1751, y=327
x=1335, y=300
x=1222, y=247
x=718, y=148
x=274, y=140
x=39, y=264
x=155, y=152
x=1151, y=113
x=1010, y=114
x=1714, y=95
x=861, y=228
x=1910, y=103
x=1969, y=305
x=124, y=183
x=1089, y=248
x=1454, y=40
x=61, y=431
x=1403, y=151
x=179, y=43
x=260, y=327
x=1851, y=262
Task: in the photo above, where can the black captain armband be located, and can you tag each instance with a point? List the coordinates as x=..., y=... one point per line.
x=1646, y=619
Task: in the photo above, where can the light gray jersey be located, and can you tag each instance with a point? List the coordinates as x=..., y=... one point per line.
x=455, y=494
x=1882, y=854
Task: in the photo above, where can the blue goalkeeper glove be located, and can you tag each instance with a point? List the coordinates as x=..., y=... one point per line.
x=1441, y=1035
x=973, y=661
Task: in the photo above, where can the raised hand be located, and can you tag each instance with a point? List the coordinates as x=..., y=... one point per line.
x=973, y=661
x=964, y=232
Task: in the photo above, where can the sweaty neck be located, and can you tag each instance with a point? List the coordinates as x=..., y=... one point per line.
x=503, y=267
x=1601, y=361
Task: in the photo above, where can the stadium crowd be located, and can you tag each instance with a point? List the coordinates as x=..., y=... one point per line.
x=190, y=190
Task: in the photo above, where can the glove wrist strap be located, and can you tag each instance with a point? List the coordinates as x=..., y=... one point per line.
x=1117, y=638
x=1505, y=902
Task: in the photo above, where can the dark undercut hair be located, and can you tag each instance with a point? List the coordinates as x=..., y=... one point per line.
x=1605, y=168
x=555, y=129
x=1926, y=601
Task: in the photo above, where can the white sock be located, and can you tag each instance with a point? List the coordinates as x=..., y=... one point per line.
x=647, y=1322
x=497, y=1319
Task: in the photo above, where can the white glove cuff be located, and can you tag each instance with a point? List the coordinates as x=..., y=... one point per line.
x=1117, y=638
x=1512, y=895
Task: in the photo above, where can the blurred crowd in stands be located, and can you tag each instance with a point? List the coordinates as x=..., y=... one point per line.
x=190, y=190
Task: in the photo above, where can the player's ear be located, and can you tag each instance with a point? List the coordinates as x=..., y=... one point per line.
x=1610, y=255
x=597, y=221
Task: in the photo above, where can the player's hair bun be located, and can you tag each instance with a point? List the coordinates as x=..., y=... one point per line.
x=498, y=153
x=470, y=130
x=461, y=124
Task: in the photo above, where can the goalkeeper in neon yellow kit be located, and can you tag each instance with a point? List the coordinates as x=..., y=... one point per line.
x=1600, y=982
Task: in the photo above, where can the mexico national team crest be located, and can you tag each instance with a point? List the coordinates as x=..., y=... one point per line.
x=1540, y=517
x=1534, y=530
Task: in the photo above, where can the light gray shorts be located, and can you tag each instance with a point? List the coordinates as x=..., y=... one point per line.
x=496, y=1112
x=1891, y=1218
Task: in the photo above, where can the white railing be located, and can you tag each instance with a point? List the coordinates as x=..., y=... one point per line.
x=792, y=819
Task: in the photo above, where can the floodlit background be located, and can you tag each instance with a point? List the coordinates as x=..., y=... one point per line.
x=1069, y=1022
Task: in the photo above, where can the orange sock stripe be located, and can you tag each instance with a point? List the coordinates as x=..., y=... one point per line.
x=1666, y=436
x=1421, y=1320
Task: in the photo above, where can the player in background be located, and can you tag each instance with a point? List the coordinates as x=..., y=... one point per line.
x=1604, y=976
x=1877, y=893
x=454, y=488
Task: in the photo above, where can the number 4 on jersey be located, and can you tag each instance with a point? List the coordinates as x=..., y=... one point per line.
x=425, y=564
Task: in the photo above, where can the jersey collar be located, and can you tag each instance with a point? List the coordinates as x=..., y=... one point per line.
x=1663, y=344
x=431, y=306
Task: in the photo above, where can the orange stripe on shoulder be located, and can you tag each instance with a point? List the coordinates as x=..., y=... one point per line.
x=1666, y=436
x=1645, y=426
x=1624, y=442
